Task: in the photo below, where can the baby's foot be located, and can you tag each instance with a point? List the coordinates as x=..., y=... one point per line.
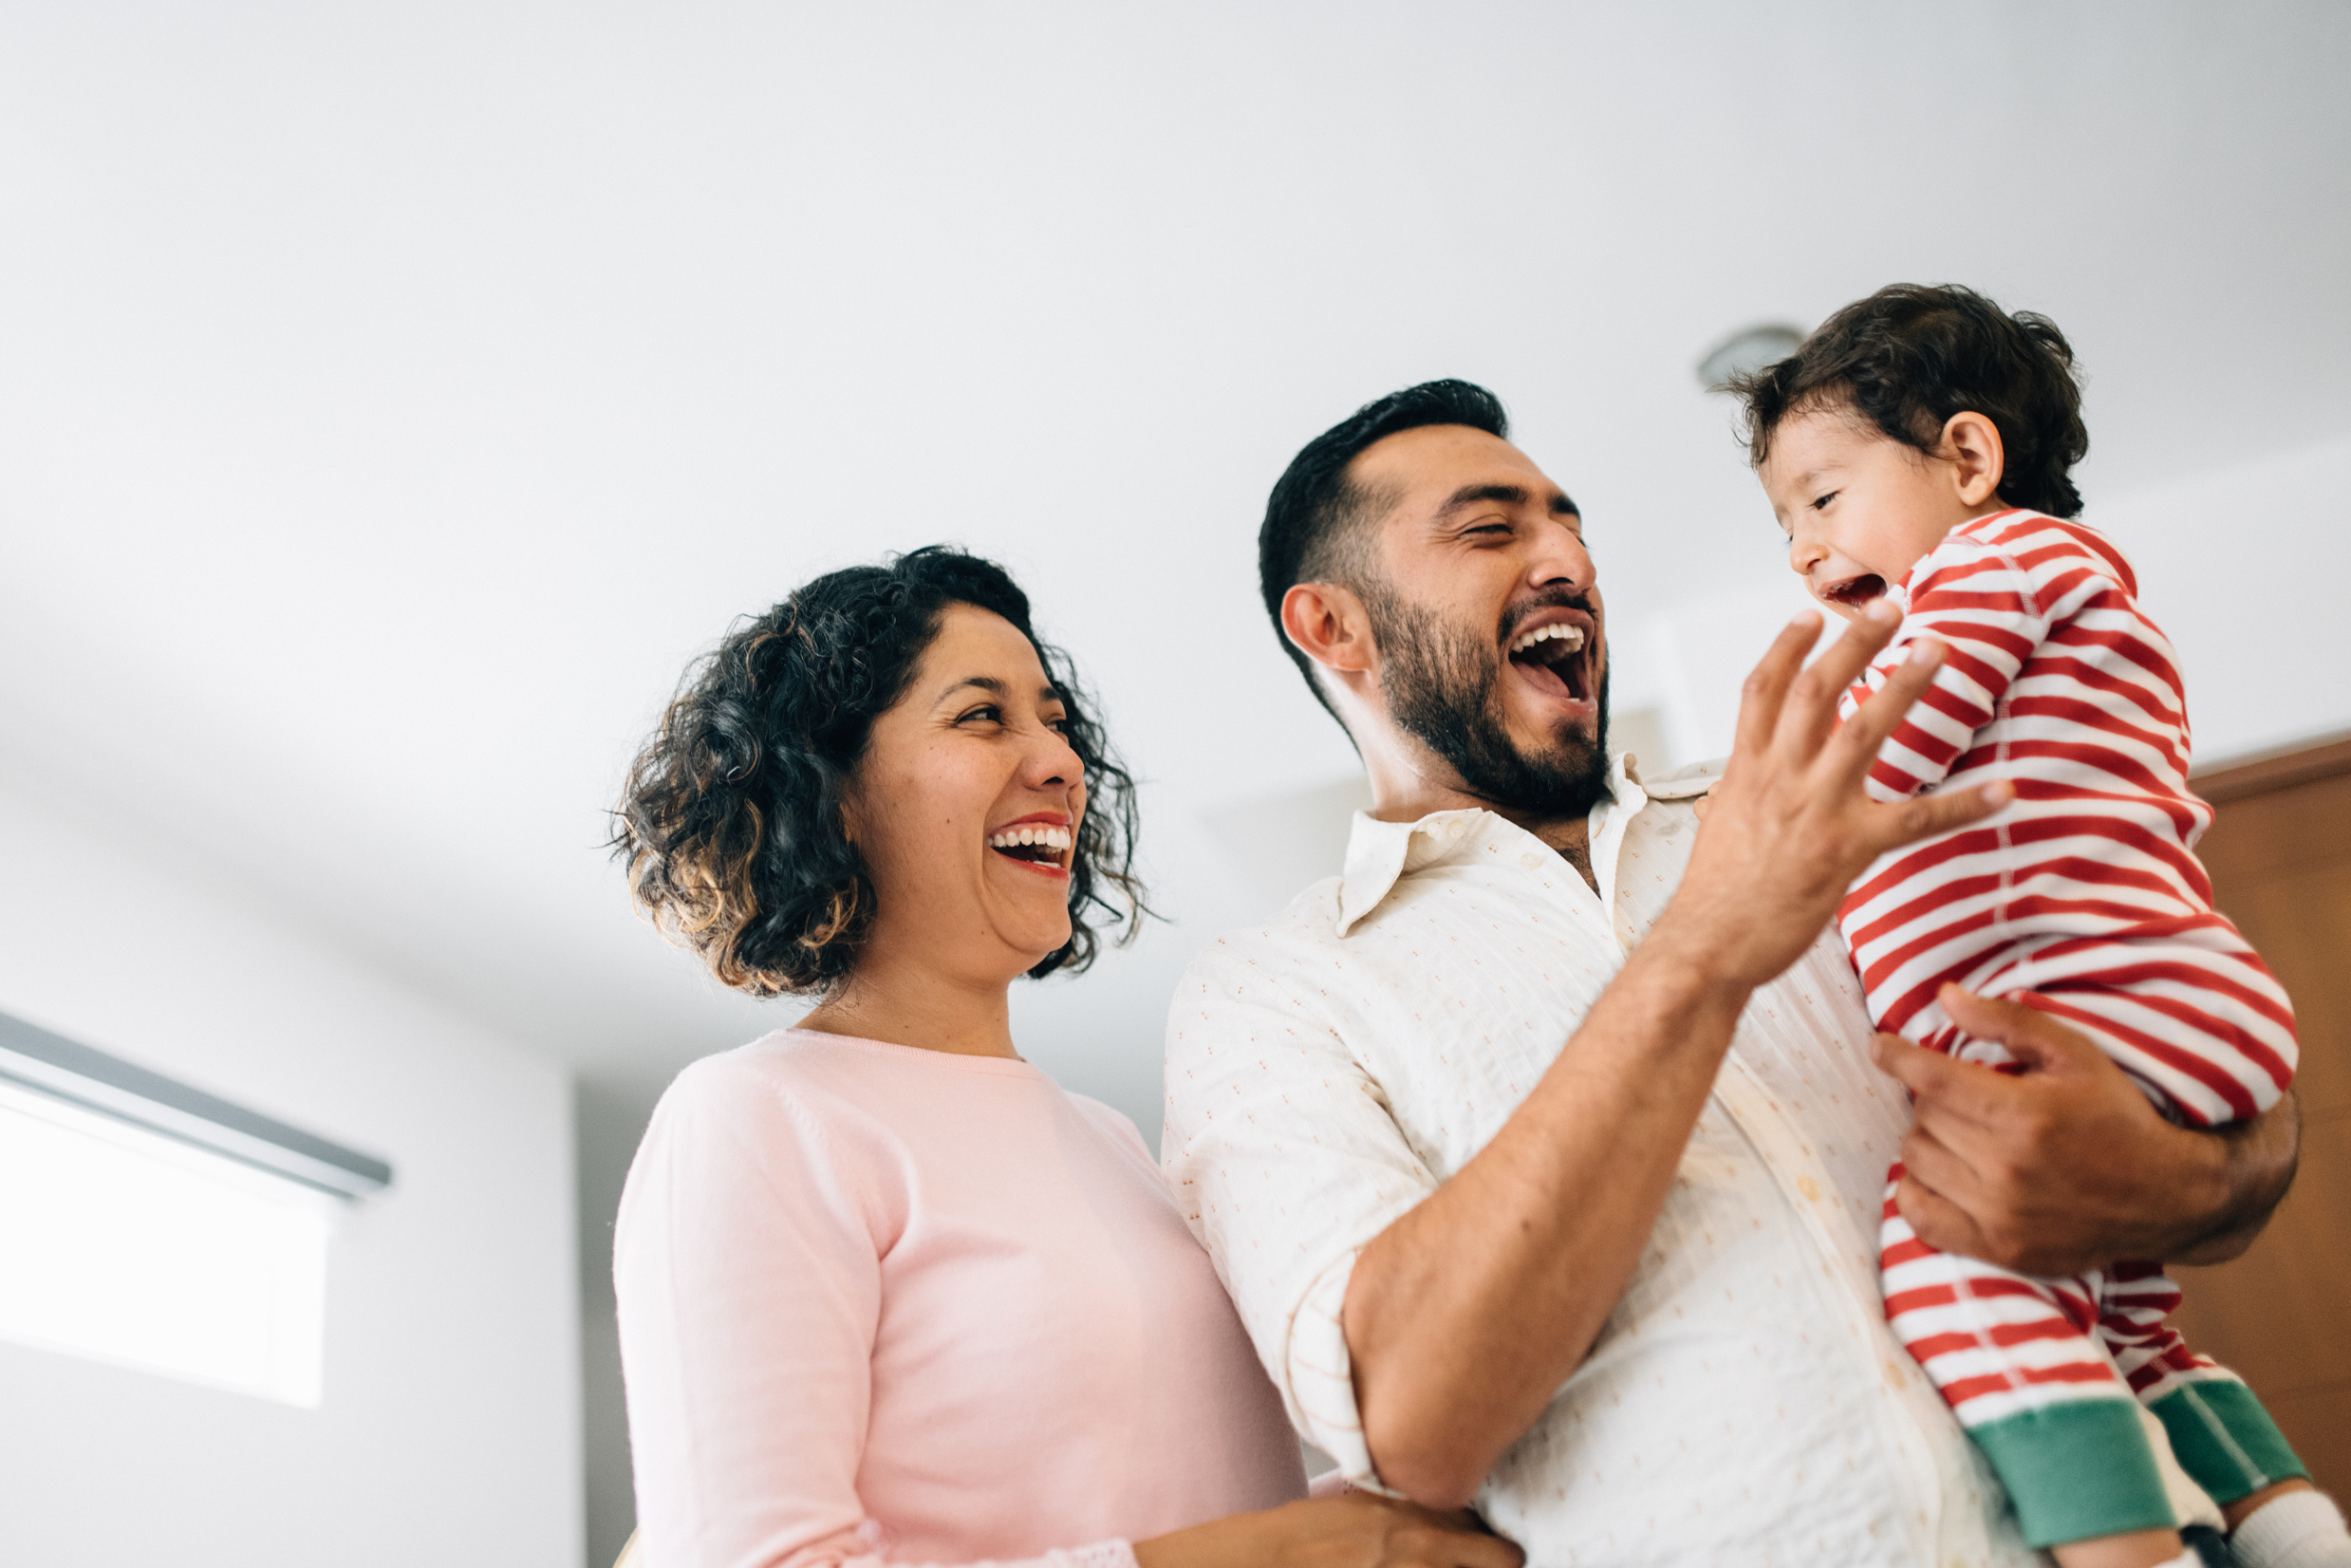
x=2298, y=1529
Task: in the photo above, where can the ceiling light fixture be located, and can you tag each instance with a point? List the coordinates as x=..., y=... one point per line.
x=1750, y=349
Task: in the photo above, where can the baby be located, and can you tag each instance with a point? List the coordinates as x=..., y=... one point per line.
x=1917, y=448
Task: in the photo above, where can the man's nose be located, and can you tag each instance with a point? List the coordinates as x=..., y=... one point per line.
x=1560, y=558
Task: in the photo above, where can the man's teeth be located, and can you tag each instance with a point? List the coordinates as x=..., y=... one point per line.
x=1572, y=636
x=1031, y=833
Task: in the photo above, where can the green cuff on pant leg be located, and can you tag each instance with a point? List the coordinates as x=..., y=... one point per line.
x=2224, y=1439
x=2077, y=1470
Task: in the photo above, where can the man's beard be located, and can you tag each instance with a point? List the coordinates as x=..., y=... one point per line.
x=1443, y=687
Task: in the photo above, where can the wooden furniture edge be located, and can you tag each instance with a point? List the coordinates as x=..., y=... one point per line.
x=2323, y=758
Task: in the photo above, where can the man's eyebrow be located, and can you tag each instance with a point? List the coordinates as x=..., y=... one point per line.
x=1506, y=495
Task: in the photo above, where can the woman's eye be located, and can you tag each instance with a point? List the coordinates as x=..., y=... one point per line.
x=988, y=712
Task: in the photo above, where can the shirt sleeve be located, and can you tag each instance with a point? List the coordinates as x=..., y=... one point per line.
x=1280, y=1150
x=1984, y=607
x=747, y=1266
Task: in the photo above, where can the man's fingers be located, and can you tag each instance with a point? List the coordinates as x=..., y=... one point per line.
x=1810, y=712
x=1479, y=1550
x=1935, y=1165
x=1938, y=1222
x=1767, y=684
x=1941, y=1088
x=1452, y=1538
x=1907, y=821
x=1841, y=662
x=1882, y=711
x=1928, y=1075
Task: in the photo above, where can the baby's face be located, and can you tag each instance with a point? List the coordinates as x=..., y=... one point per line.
x=1858, y=509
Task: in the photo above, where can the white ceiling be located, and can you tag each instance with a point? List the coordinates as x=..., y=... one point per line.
x=395, y=398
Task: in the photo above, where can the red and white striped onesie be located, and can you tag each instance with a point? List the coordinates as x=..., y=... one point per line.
x=2086, y=893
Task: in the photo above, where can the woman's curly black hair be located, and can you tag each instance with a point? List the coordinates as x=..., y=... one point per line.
x=731, y=823
x=1910, y=356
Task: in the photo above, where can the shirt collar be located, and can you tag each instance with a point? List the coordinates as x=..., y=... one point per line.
x=1380, y=854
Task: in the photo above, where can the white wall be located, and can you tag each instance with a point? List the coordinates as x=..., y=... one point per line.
x=2244, y=566
x=449, y=1429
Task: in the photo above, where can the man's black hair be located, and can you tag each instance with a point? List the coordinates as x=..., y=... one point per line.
x=1911, y=355
x=1316, y=518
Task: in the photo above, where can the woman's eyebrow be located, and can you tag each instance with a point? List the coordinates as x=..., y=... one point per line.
x=985, y=682
x=989, y=683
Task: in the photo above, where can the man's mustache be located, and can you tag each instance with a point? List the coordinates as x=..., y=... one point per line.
x=1557, y=598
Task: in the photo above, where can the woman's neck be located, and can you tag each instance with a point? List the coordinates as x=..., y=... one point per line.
x=919, y=1006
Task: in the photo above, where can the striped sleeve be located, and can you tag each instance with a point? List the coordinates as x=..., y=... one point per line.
x=1982, y=606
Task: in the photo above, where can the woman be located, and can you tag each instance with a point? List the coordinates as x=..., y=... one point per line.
x=886, y=1293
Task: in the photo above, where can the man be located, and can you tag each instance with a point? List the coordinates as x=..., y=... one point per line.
x=1542, y=1151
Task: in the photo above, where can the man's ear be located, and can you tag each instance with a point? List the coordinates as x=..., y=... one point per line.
x=1329, y=624
x=1971, y=444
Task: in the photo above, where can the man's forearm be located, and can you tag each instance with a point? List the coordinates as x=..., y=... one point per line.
x=1464, y=1316
x=2256, y=1167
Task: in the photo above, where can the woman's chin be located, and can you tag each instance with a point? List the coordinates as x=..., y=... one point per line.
x=1035, y=943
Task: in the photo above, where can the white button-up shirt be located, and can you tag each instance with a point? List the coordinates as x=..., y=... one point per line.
x=1745, y=1401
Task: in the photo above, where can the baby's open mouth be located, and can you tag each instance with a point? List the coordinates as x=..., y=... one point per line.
x=1557, y=660
x=1038, y=843
x=1855, y=591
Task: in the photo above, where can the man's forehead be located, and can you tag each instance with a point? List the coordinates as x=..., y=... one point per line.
x=1426, y=467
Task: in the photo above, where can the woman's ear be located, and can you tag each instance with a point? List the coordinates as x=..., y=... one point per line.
x=1972, y=445
x=1329, y=624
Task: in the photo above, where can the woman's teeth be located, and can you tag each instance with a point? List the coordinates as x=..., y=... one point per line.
x=1572, y=636
x=1027, y=834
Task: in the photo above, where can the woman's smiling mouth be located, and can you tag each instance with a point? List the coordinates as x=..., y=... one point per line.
x=1041, y=842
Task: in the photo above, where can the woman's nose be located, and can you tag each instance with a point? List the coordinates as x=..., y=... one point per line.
x=1054, y=761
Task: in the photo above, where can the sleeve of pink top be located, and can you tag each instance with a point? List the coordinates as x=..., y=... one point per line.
x=746, y=1264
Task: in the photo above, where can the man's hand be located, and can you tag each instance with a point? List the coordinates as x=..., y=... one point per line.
x=2067, y=1166
x=1350, y=1530
x=1789, y=826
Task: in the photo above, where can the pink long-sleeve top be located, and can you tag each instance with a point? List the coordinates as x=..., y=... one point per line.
x=882, y=1304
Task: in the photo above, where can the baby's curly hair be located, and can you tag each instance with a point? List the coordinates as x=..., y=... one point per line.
x=1910, y=356
x=731, y=822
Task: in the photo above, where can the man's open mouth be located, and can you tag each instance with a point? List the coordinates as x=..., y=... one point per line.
x=1855, y=591
x=1035, y=842
x=1555, y=659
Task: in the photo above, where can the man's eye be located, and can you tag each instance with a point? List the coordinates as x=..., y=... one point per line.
x=1487, y=528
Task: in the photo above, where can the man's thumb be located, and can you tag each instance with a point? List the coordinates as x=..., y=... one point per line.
x=2031, y=1037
